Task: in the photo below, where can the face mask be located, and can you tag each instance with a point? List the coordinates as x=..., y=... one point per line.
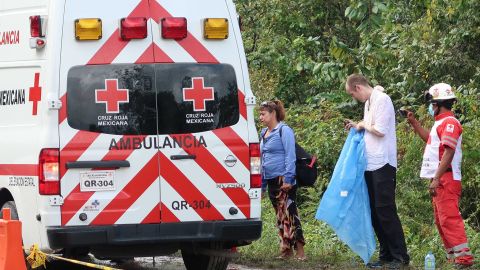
x=430, y=110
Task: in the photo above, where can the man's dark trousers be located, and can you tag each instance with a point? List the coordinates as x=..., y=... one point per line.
x=385, y=220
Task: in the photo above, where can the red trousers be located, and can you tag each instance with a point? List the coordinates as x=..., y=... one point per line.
x=449, y=221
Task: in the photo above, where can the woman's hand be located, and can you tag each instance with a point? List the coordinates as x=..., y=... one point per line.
x=286, y=187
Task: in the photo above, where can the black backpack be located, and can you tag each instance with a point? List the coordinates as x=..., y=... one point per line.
x=305, y=165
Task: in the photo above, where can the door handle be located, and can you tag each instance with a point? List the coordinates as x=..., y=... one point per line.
x=98, y=164
x=179, y=157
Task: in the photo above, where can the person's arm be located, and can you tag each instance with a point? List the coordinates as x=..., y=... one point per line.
x=421, y=131
x=288, y=141
x=370, y=129
x=442, y=168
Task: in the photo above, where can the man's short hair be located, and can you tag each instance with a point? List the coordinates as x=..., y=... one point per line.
x=357, y=79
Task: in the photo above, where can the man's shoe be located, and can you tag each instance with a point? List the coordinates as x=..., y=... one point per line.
x=377, y=265
x=396, y=264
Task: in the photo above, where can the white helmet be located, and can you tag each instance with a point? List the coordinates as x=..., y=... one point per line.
x=441, y=91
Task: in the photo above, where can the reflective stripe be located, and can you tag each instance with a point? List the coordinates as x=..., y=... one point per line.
x=450, y=138
x=463, y=253
x=449, y=141
x=460, y=247
x=462, y=250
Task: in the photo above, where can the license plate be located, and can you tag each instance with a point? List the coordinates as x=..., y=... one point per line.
x=97, y=181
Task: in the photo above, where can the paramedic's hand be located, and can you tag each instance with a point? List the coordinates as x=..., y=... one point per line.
x=433, y=186
x=410, y=117
x=286, y=187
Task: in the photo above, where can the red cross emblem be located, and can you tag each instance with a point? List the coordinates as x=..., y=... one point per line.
x=111, y=96
x=35, y=94
x=198, y=93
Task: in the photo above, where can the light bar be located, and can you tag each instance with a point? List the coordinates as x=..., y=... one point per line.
x=88, y=29
x=215, y=28
x=174, y=28
x=133, y=28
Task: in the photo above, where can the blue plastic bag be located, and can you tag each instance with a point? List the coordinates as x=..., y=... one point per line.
x=345, y=205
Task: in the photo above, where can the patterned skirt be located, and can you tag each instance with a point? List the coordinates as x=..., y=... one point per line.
x=288, y=221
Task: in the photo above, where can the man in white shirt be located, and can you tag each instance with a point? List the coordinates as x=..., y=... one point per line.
x=380, y=175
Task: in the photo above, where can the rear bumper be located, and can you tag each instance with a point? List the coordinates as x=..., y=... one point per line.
x=146, y=234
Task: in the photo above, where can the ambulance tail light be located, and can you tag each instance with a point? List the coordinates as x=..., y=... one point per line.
x=133, y=28
x=36, y=24
x=174, y=28
x=255, y=166
x=48, y=171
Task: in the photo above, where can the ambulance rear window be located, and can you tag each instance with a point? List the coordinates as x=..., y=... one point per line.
x=149, y=99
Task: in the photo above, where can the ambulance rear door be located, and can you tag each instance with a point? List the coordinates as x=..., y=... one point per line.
x=108, y=121
x=205, y=171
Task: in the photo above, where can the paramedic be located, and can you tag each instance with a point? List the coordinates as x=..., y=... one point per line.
x=441, y=165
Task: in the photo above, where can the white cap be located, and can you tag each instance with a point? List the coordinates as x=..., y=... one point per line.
x=441, y=91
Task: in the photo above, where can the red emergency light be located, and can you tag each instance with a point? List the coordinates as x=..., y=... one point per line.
x=36, y=26
x=133, y=28
x=48, y=171
x=174, y=28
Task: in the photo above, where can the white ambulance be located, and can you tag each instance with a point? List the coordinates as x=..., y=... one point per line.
x=127, y=128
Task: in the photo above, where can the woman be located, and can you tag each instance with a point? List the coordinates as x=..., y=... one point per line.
x=278, y=173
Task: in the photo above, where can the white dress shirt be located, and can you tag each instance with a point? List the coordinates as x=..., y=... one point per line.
x=380, y=114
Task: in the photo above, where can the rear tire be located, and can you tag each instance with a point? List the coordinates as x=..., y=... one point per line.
x=13, y=209
x=199, y=261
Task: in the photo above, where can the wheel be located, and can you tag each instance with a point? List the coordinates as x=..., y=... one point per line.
x=13, y=210
x=206, y=258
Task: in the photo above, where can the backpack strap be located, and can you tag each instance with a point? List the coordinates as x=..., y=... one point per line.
x=262, y=133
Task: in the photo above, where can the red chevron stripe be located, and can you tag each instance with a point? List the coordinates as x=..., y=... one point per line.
x=220, y=175
x=147, y=56
x=160, y=55
x=241, y=104
x=186, y=189
x=153, y=216
x=62, y=113
x=129, y=194
x=167, y=215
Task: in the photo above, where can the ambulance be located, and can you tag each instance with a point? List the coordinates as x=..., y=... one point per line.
x=127, y=128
